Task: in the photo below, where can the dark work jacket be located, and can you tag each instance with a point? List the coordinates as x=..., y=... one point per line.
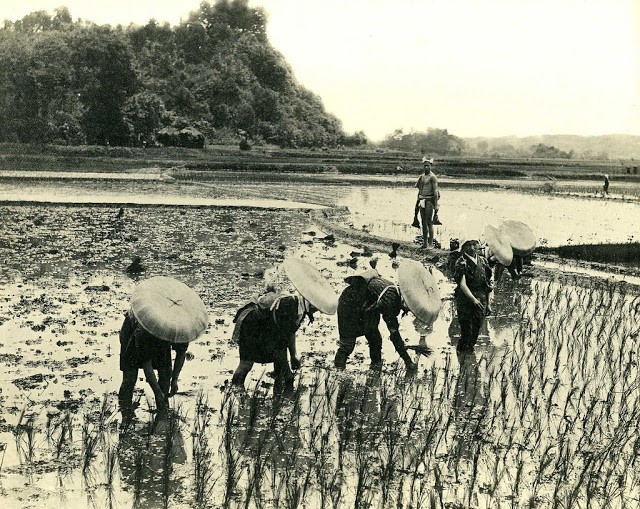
x=261, y=331
x=137, y=346
x=477, y=277
x=361, y=304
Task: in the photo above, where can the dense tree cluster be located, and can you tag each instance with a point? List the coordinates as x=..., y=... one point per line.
x=76, y=82
x=441, y=142
x=548, y=152
x=434, y=141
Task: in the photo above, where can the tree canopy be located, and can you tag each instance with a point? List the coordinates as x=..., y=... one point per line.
x=216, y=72
x=434, y=141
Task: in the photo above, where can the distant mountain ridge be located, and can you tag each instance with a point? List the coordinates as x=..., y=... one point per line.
x=614, y=146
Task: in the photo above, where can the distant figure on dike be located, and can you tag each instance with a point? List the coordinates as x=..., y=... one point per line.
x=605, y=187
x=427, y=202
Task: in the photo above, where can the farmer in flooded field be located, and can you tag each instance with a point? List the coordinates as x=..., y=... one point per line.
x=140, y=349
x=515, y=268
x=427, y=202
x=165, y=315
x=510, y=247
x=266, y=327
x=359, y=308
x=473, y=276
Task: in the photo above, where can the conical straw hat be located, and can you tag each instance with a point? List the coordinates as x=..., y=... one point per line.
x=499, y=244
x=419, y=290
x=169, y=309
x=522, y=239
x=312, y=285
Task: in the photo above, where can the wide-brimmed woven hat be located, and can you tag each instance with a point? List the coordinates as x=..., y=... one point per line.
x=499, y=244
x=169, y=309
x=419, y=290
x=312, y=285
x=521, y=237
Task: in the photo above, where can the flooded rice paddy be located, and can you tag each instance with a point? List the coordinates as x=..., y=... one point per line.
x=556, y=220
x=544, y=413
x=381, y=210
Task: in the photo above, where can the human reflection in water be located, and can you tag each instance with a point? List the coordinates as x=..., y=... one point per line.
x=147, y=459
x=267, y=425
x=424, y=330
x=354, y=397
x=262, y=442
x=509, y=301
x=470, y=405
x=364, y=409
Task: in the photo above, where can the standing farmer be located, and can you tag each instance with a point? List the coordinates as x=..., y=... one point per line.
x=266, y=327
x=473, y=275
x=360, y=306
x=165, y=316
x=427, y=203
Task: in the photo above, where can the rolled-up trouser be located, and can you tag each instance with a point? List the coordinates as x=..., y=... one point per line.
x=348, y=343
x=374, y=339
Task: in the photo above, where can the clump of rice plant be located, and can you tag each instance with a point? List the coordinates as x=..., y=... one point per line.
x=203, y=457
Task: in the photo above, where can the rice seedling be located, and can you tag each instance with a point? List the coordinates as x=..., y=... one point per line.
x=3, y=449
x=138, y=473
x=110, y=462
x=30, y=435
x=203, y=470
x=90, y=439
x=277, y=481
x=65, y=433
x=232, y=462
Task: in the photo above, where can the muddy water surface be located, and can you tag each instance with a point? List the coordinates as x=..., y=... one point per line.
x=522, y=419
x=556, y=220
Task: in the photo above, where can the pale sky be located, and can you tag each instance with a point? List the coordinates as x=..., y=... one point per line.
x=474, y=67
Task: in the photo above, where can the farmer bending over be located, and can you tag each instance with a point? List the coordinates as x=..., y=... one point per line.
x=265, y=330
x=141, y=349
x=266, y=327
x=359, y=308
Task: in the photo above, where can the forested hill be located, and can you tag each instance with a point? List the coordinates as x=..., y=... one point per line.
x=610, y=146
x=74, y=82
x=548, y=146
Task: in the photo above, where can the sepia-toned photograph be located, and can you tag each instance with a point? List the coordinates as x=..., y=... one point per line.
x=339, y=254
